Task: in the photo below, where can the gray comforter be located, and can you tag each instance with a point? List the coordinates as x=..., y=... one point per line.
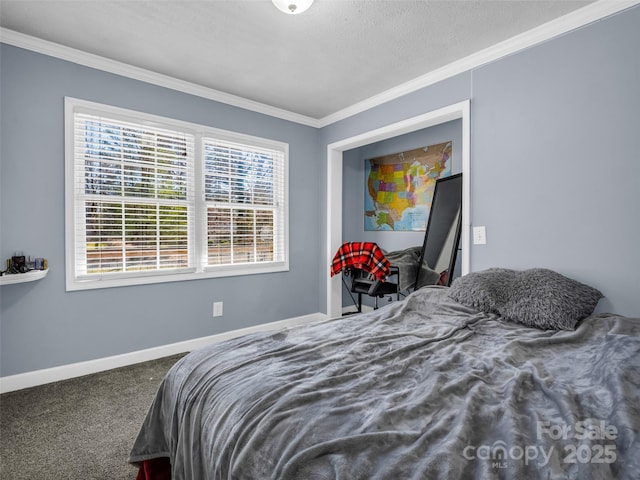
x=421, y=389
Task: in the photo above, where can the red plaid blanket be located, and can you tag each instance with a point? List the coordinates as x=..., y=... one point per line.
x=366, y=256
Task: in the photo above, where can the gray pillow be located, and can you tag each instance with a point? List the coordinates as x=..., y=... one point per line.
x=486, y=291
x=546, y=299
x=537, y=297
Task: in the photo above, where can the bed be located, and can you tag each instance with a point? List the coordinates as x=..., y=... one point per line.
x=506, y=374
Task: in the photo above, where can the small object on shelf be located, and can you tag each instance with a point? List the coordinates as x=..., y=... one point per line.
x=21, y=269
x=18, y=263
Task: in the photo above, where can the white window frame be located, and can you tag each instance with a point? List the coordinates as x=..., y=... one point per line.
x=198, y=235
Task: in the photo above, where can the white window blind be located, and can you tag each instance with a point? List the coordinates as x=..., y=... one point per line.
x=244, y=195
x=150, y=199
x=133, y=198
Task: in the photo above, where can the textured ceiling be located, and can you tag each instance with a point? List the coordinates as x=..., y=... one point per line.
x=338, y=53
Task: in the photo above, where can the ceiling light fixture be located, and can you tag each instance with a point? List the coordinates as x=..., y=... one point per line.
x=292, y=7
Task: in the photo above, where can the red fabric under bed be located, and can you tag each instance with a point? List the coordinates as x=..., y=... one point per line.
x=155, y=469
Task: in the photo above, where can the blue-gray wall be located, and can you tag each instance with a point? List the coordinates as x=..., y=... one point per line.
x=555, y=155
x=44, y=326
x=555, y=136
x=556, y=159
x=353, y=191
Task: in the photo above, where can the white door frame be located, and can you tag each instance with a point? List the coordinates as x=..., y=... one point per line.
x=334, y=184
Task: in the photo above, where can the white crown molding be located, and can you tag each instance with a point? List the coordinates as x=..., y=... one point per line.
x=576, y=19
x=80, y=57
x=561, y=25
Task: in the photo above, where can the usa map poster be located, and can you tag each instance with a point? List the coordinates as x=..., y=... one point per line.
x=399, y=187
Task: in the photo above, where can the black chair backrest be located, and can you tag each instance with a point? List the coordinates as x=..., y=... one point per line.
x=442, y=236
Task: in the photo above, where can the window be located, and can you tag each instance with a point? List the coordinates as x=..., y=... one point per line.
x=150, y=199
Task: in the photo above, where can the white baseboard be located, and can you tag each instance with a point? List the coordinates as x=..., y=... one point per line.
x=64, y=372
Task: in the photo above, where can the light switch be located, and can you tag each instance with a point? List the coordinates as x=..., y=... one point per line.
x=479, y=235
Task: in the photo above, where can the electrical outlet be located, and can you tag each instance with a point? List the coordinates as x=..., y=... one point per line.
x=217, y=309
x=479, y=235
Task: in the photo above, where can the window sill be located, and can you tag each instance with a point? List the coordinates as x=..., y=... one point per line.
x=105, y=282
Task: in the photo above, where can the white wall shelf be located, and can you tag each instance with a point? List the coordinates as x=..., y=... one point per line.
x=23, y=277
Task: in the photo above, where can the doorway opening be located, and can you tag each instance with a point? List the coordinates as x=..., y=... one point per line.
x=334, y=184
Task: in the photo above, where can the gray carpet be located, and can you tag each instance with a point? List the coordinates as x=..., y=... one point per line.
x=82, y=428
